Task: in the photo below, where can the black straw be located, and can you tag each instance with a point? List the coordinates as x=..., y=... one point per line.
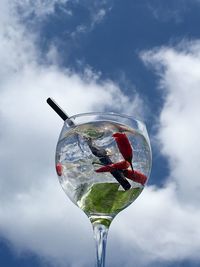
x=100, y=153
x=57, y=109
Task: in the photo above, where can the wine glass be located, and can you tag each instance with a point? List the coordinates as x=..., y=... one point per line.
x=103, y=161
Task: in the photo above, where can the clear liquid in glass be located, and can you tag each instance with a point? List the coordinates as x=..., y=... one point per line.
x=99, y=195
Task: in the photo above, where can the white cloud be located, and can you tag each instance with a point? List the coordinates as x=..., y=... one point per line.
x=97, y=16
x=166, y=227
x=37, y=7
x=165, y=12
x=179, y=120
x=28, y=138
x=34, y=213
x=98, y=11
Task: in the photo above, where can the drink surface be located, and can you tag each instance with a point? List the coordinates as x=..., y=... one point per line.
x=99, y=193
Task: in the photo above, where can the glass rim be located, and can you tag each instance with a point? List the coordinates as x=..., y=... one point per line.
x=122, y=115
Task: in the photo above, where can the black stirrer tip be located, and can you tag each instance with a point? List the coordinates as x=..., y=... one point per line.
x=57, y=109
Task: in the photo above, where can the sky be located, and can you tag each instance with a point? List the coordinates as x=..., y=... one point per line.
x=140, y=58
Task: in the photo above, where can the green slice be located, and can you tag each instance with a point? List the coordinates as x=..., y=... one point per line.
x=107, y=199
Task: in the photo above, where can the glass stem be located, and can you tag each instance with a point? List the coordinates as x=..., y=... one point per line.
x=100, y=236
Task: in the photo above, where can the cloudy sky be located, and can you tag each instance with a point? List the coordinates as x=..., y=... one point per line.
x=136, y=57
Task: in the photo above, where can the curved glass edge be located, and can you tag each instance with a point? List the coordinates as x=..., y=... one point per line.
x=69, y=121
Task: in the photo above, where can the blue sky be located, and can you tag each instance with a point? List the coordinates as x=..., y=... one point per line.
x=139, y=57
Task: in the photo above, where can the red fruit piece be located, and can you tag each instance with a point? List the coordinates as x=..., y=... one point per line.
x=124, y=146
x=121, y=165
x=104, y=169
x=136, y=176
x=59, y=168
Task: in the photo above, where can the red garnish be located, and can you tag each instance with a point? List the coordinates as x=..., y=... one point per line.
x=59, y=168
x=124, y=146
x=136, y=176
x=121, y=165
x=125, y=149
